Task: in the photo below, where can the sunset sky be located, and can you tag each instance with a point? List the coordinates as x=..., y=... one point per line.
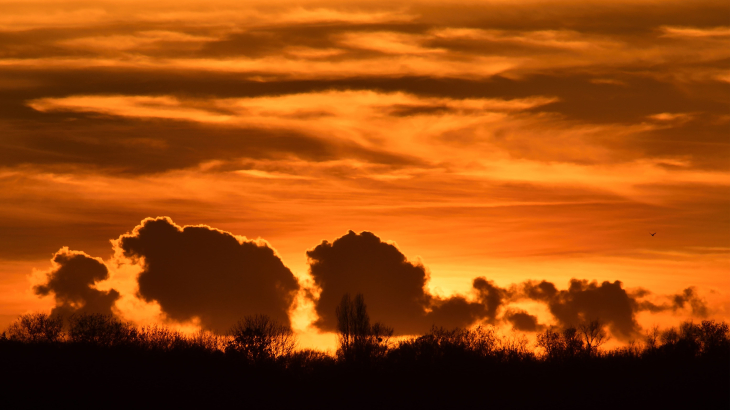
x=490, y=144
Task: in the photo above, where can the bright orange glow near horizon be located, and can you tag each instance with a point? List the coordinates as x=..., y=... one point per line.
x=514, y=141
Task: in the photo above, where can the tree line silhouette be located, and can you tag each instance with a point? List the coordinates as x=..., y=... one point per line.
x=259, y=360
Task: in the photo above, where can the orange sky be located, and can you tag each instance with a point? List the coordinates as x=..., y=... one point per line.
x=511, y=140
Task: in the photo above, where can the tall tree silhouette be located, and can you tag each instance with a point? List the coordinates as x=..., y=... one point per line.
x=358, y=340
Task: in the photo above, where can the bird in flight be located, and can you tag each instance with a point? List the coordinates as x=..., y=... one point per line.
x=652, y=234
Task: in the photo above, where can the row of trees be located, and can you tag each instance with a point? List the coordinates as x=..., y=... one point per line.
x=259, y=339
x=86, y=360
x=361, y=342
x=585, y=340
x=255, y=337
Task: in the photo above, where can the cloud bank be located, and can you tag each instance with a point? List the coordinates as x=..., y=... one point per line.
x=395, y=292
x=202, y=273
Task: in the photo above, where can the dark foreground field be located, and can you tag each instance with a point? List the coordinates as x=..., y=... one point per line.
x=443, y=369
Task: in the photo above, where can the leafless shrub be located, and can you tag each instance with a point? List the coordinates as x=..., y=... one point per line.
x=161, y=338
x=594, y=335
x=515, y=347
x=36, y=328
x=100, y=330
x=259, y=337
x=560, y=345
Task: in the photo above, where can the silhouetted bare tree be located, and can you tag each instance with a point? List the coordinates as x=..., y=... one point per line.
x=259, y=337
x=669, y=337
x=353, y=322
x=515, y=348
x=559, y=346
x=593, y=334
x=307, y=360
x=551, y=342
x=714, y=336
x=35, y=328
x=708, y=337
x=160, y=338
x=100, y=330
x=572, y=342
x=651, y=339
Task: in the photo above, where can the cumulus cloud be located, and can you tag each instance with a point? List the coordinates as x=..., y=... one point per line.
x=394, y=290
x=690, y=297
x=201, y=272
x=362, y=263
x=584, y=300
x=71, y=281
x=393, y=287
x=522, y=321
x=610, y=302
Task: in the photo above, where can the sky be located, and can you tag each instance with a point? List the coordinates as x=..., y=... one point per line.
x=457, y=162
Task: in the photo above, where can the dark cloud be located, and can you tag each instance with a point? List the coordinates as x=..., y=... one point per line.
x=690, y=297
x=198, y=271
x=405, y=110
x=626, y=19
x=268, y=36
x=647, y=305
x=490, y=296
x=455, y=311
x=393, y=287
x=394, y=291
x=362, y=263
x=522, y=321
x=543, y=291
x=143, y=147
x=147, y=145
x=265, y=42
x=71, y=284
x=587, y=301
x=609, y=302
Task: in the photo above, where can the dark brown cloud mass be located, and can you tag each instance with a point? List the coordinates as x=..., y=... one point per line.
x=202, y=272
x=393, y=287
x=609, y=302
x=394, y=292
x=198, y=271
x=584, y=300
x=361, y=263
x=522, y=321
x=690, y=297
x=71, y=283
